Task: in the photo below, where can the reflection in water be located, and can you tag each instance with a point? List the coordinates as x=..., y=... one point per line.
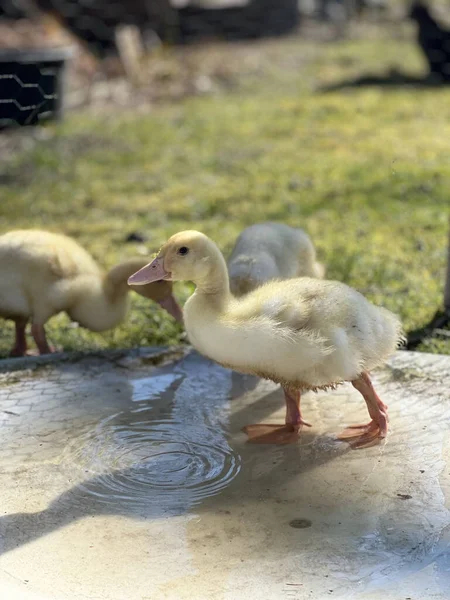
x=167, y=452
x=152, y=388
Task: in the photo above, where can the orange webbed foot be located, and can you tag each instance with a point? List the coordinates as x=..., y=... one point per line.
x=363, y=436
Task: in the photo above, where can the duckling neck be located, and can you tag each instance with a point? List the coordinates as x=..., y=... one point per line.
x=115, y=283
x=214, y=287
x=102, y=303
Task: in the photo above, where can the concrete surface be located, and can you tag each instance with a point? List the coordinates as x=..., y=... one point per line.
x=122, y=480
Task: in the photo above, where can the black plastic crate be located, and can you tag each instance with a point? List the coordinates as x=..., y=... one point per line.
x=31, y=85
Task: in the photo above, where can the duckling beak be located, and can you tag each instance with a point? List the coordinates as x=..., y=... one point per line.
x=171, y=306
x=154, y=271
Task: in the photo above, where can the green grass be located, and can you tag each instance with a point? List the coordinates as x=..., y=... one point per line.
x=365, y=171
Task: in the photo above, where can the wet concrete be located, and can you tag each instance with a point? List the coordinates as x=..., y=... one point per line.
x=125, y=480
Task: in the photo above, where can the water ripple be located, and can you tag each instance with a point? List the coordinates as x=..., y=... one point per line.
x=144, y=463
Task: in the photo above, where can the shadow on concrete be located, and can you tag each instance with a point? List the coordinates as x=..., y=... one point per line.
x=393, y=79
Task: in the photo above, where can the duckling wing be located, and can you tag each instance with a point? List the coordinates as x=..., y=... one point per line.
x=287, y=304
x=344, y=332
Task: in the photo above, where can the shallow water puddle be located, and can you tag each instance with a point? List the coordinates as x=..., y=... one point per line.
x=137, y=483
x=166, y=451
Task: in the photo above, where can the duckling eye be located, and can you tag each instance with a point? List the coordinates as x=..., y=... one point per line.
x=183, y=250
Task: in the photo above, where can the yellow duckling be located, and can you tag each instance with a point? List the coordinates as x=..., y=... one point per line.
x=43, y=273
x=303, y=333
x=268, y=251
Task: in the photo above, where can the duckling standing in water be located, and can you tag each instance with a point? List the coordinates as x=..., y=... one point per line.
x=268, y=251
x=43, y=273
x=305, y=333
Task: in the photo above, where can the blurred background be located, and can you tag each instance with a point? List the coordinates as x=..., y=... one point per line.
x=124, y=121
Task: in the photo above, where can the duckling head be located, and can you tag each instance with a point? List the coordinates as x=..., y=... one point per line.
x=186, y=256
x=157, y=291
x=161, y=292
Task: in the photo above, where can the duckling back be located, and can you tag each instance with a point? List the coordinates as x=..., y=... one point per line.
x=268, y=251
x=307, y=330
x=35, y=269
x=48, y=252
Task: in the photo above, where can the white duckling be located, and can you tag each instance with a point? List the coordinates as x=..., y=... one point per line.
x=303, y=333
x=43, y=273
x=268, y=251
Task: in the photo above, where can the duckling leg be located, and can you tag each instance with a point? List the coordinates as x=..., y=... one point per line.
x=368, y=435
x=263, y=433
x=294, y=418
x=20, y=346
x=38, y=333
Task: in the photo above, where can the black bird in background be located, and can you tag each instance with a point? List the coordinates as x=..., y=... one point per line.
x=434, y=41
